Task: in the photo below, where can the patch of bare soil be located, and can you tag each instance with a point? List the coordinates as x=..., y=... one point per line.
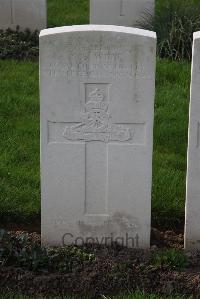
x=35, y=226
x=167, y=239
x=114, y=270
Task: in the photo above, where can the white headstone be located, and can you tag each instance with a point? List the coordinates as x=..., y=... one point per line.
x=97, y=99
x=120, y=12
x=31, y=14
x=192, y=227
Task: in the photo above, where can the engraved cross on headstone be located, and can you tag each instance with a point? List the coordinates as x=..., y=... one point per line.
x=122, y=12
x=97, y=131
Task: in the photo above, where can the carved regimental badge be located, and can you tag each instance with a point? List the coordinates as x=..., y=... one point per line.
x=96, y=124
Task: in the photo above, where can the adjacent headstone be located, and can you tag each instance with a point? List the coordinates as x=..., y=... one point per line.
x=97, y=99
x=120, y=12
x=192, y=227
x=31, y=14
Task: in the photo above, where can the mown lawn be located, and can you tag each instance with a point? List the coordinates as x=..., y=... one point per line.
x=67, y=12
x=19, y=131
x=170, y=142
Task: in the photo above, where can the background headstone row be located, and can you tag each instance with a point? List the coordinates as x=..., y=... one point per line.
x=32, y=14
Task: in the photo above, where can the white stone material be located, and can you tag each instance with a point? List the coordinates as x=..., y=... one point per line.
x=31, y=14
x=192, y=227
x=120, y=12
x=97, y=99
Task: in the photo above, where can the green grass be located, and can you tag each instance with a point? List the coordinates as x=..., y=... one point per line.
x=67, y=12
x=171, y=258
x=170, y=141
x=19, y=131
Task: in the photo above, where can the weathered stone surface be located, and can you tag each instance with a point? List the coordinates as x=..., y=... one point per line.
x=31, y=14
x=192, y=227
x=97, y=99
x=120, y=12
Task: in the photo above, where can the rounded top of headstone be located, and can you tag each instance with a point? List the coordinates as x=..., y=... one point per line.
x=99, y=28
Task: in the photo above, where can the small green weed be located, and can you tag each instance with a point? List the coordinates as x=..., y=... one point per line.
x=172, y=258
x=19, y=250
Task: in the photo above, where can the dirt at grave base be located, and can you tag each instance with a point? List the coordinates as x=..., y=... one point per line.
x=114, y=270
